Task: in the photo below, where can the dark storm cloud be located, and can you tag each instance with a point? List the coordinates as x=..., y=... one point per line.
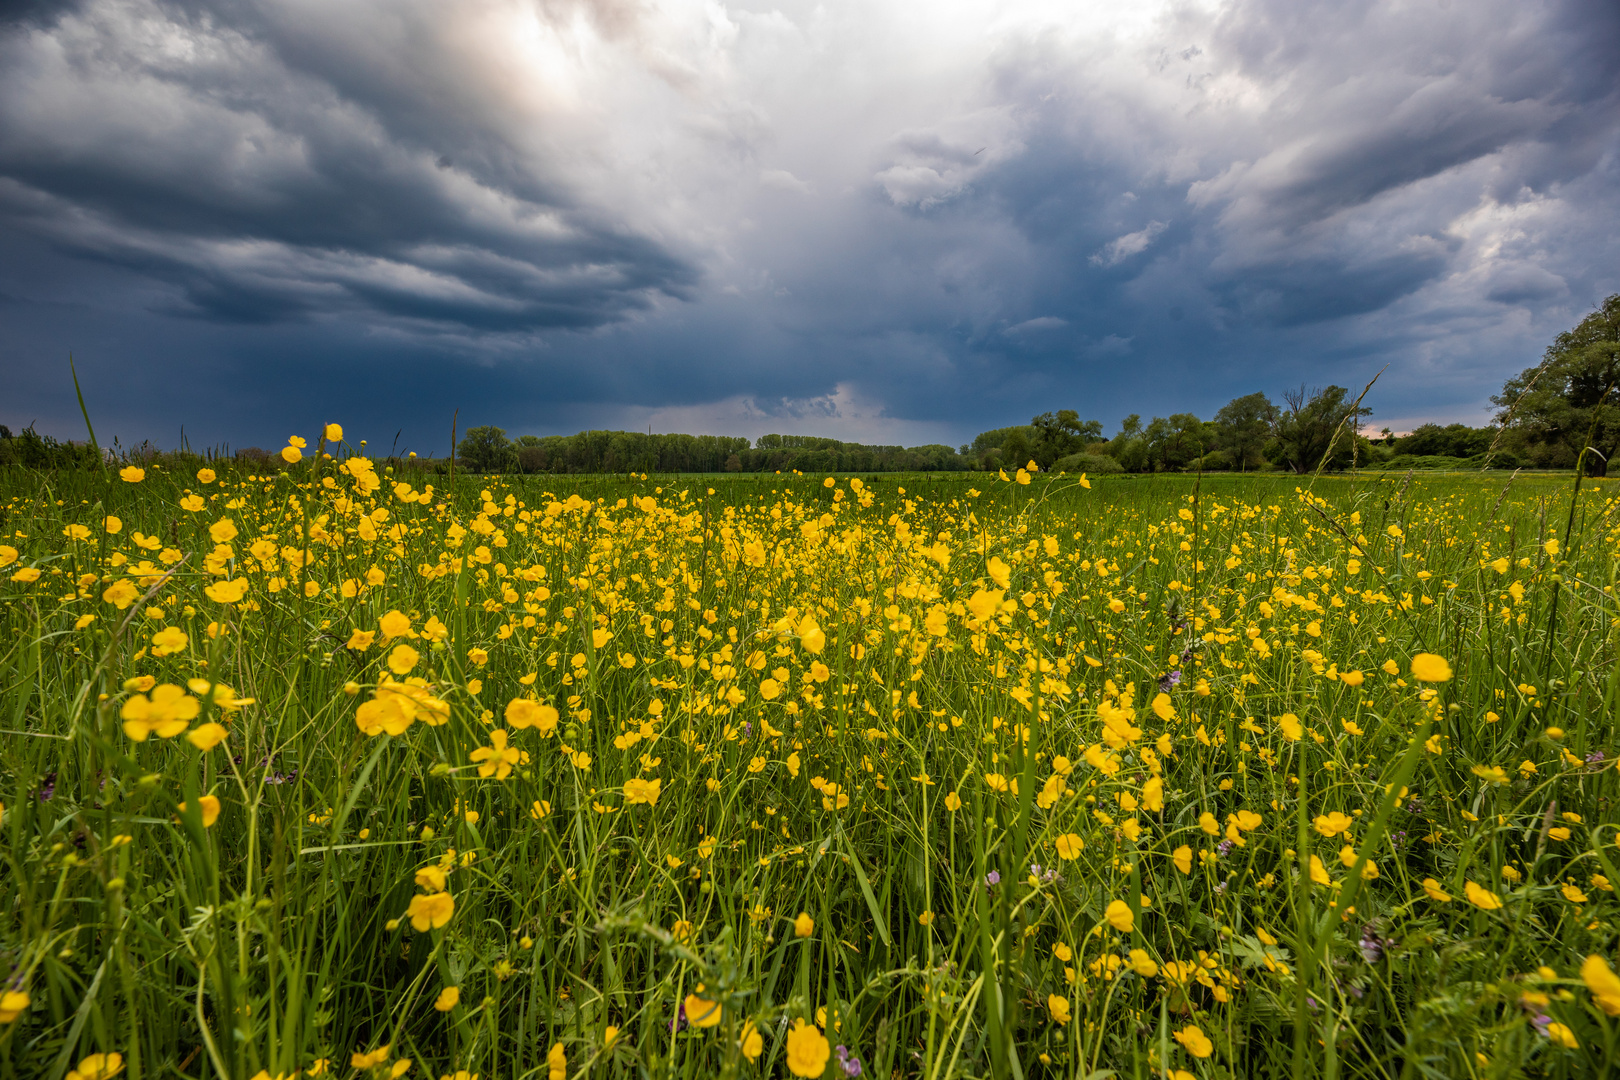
x=198, y=147
x=849, y=218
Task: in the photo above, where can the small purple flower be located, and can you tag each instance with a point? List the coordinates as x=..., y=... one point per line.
x=848, y=1062
x=748, y=729
x=1541, y=1020
x=1594, y=757
x=992, y=879
x=679, y=1023
x=1223, y=847
x=47, y=787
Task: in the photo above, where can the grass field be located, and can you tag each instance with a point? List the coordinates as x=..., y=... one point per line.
x=333, y=773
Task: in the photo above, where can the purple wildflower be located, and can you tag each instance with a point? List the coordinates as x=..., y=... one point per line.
x=992, y=879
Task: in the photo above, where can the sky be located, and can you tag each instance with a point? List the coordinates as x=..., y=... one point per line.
x=878, y=220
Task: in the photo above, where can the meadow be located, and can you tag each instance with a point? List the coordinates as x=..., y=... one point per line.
x=341, y=771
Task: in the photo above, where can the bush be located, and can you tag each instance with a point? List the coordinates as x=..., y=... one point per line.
x=1095, y=464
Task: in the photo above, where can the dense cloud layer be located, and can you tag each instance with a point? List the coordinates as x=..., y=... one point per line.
x=865, y=219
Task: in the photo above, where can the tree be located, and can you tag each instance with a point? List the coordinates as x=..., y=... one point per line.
x=1312, y=423
x=1242, y=427
x=487, y=450
x=1060, y=434
x=1015, y=450
x=1569, y=400
x=1175, y=443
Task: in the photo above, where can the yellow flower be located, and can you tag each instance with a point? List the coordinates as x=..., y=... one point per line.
x=1143, y=964
x=477, y=656
x=99, y=1066
x=523, y=713
x=1334, y=824
x=227, y=592
x=1560, y=1033
x=497, y=758
x=1197, y=1043
x=370, y=1060
x=131, y=474
x=752, y=1042
x=209, y=806
x=1059, y=1008
x=638, y=791
x=333, y=433
x=557, y=1063
x=120, y=594
x=1494, y=773
x=1069, y=846
x=807, y=1050
x=165, y=713
x=953, y=802
x=1182, y=857
x=1292, y=729
x=395, y=624
x=1480, y=897
x=448, y=998
x=402, y=659
x=1119, y=916
x=431, y=911
x=169, y=641
x=700, y=1011
x=1573, y=894
x=1603, y=983
x=1435, y=892
x=13, y=1003
x=804, y=925
x=222, y=531
x=999, y=572
x=1427, y=667
x=207, y=736
x=1352, y=678
x=291, y=455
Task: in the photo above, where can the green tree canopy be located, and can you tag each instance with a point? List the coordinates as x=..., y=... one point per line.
x=487, y=450
x=1310, y=424
x=1242, y=427
x=1569, y=400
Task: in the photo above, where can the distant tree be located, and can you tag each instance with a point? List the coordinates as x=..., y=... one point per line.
x=1129, y=448
x=1059, y=434
x=532, y=458
x=1571, y=397
x=1452, y=440
x=1242, y=427
x=487, y=450
x=1309, y=424
x=1016, y=450
x=1174, y=443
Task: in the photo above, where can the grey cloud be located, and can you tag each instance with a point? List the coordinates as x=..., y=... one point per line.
x=178, y=142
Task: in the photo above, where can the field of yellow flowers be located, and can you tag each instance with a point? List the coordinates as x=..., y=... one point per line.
x=352, y=771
